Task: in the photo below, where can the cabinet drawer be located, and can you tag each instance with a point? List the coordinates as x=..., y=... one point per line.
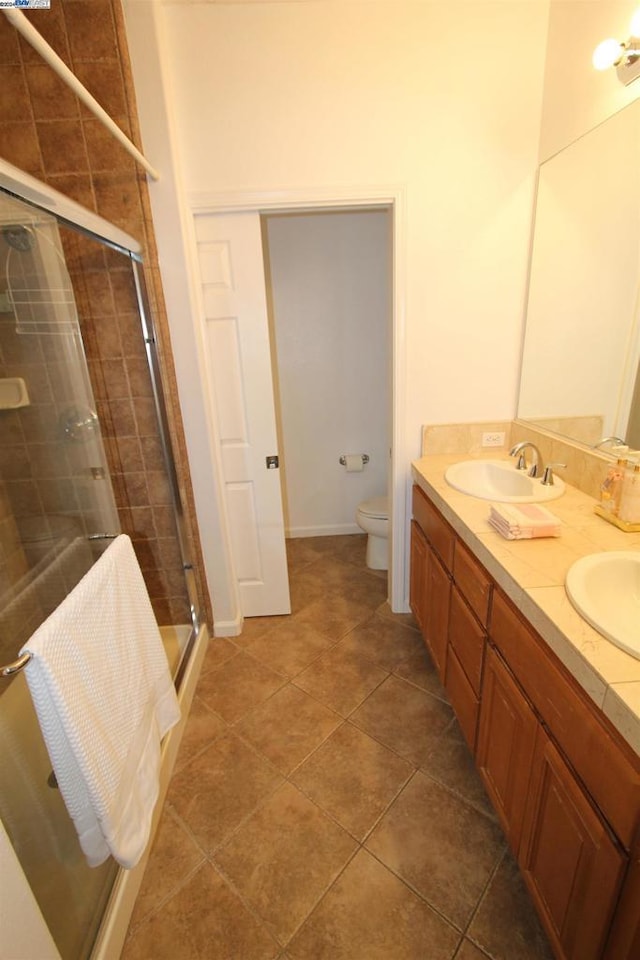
x=473, y=581
x=435, y=527
x=604, y=762
x=463, y=699
x=467, y=638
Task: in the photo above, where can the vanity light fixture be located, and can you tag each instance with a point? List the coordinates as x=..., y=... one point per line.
x=625, y=57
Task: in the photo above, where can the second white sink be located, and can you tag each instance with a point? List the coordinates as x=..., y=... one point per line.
x=500, y=481
x=605, y=590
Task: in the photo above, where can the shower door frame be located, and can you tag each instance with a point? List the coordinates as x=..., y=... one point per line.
x=67, y=213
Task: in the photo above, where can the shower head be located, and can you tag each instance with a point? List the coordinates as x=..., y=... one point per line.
x=18, y=238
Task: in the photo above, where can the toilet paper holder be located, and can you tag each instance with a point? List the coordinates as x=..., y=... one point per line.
x=343, y=459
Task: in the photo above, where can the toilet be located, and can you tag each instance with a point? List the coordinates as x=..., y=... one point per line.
x=372, y=516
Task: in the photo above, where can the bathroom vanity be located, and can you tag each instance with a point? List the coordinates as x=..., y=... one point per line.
x=531, y=691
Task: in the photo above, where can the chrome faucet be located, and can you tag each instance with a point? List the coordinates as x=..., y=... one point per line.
x=536, y=464
x=547, y=477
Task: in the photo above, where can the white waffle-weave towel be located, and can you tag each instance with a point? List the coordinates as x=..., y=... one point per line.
x=101, y=687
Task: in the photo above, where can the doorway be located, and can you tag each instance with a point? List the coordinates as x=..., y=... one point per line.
x=388, y=202
x=328, y=280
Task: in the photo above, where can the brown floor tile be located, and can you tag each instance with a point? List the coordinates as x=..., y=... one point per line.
x=406, y=619
x=334, y=615
x=404, y=718
x=353, y=778
x=284, y=858
x=450, y=763
x=219, y=788
x=254, y=627
x=433, y=850
x=238, y=686
x=288, y=727
x=468, y=951
x=173, y=857
x=370, y=591
x=290, y=647
x=205, y=919
x=340, y=679
x=351, y=549
x=417, y=667
x=506, y=925
x=219, y=650
x=440, y=845
x=306, y=586
x=202, y=728
x=383, y=642
x=301, y=552
x=369, y=914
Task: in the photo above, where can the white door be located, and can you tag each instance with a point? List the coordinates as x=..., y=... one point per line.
x=237, y=338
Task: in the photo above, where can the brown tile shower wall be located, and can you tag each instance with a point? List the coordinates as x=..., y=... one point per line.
x=45, y=131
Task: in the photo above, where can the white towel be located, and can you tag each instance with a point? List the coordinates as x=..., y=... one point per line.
x=101, y=687
x=523, y=521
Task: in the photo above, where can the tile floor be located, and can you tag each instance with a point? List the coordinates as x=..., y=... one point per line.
x=324, y=805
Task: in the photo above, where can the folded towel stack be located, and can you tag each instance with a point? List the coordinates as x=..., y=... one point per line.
x=523, y=521
x=104, y=697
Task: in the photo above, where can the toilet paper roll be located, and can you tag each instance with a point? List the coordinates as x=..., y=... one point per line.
x=354, y=462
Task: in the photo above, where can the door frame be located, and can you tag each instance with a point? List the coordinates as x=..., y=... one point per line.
x=341, y=198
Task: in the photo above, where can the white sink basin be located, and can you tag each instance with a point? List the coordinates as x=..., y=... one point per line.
x=500, y=481
x=605, y=590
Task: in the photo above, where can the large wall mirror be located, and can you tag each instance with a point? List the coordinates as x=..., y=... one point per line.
x=580, y=367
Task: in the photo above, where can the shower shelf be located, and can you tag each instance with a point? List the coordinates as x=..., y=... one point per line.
x=13, y=393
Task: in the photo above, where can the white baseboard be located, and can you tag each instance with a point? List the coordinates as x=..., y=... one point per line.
x=332, y=530
x=227, y=628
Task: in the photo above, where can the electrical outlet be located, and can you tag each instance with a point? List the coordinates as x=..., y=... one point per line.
x=493, y=439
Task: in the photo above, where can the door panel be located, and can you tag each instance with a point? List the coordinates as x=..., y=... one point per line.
x=237, y=338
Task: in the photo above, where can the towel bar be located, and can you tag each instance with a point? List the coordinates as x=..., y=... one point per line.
x=16, y=666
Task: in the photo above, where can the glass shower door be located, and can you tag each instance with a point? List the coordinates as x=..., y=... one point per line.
x=57, y=511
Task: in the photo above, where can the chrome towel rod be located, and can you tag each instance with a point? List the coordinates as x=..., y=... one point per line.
x=12, y=668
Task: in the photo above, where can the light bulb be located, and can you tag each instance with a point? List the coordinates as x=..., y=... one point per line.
x=634, y=26
x=606, y=54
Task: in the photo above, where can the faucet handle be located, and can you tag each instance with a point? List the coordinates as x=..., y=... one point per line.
x=522, y=462
x=547, y=477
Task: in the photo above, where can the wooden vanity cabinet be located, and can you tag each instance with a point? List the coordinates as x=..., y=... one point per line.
x=563, y=782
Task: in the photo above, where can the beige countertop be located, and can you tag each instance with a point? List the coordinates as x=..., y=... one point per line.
x=532, y=574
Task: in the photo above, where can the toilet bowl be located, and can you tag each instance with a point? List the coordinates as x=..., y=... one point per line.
x=372, y=516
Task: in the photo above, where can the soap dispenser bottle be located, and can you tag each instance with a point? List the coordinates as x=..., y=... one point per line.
x=611, y=488
x=629, y=507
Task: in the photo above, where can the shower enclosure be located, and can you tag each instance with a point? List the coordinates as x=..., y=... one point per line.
x=84, y=455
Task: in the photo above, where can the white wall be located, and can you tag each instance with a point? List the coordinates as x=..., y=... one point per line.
x=433, y=103
x=330, y=295
x=576, y=96
x=441, y=97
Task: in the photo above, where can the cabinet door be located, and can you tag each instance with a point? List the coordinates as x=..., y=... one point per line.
x=506, y=742
x=624, y=939
x=570, y=862
x=436, y=614
x=418, y=573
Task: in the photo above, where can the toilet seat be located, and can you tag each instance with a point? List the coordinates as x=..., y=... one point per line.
x=377, y=508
